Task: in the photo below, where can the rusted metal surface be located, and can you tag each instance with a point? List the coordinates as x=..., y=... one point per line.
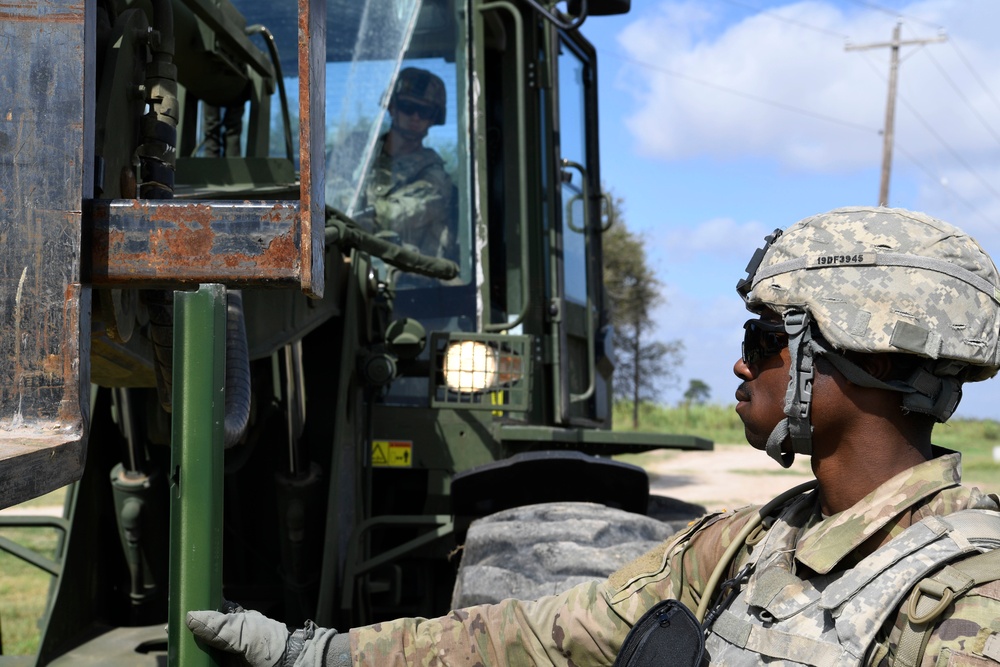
x=46, y=175
x=142, y=243
x=312, y=144
x=174, y=243
x=46, y=171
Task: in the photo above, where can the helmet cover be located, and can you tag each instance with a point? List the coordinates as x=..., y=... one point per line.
x=419, y=85
x=878, y=279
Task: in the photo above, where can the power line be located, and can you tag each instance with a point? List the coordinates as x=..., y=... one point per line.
x=958, y=158
x=965, y=99
x=743, y=94
x=898, y=15
x=785, y=19
x=936, y=179
x=975, y=74
x=839, y=121
x=951, y=151
x=890, y=107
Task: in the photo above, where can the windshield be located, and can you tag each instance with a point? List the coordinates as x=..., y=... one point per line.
x=396, y=151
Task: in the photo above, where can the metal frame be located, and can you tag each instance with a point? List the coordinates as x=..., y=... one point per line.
x=440, y=526
x=47, y=175
x=46, y=170
x=59, y=242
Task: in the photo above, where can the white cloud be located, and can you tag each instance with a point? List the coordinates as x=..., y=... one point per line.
x=961, y=198
x=946, y=162
x=711, y=329
x=793, y=67
x=722, y=238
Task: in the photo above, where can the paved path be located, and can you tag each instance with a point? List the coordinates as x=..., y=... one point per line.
x=729, y=476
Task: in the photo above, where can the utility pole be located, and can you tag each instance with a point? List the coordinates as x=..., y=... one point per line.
x=890, y=107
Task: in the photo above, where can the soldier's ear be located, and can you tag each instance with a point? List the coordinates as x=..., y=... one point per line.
x=878, y=365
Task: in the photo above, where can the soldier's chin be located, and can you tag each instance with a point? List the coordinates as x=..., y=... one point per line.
x=411, y=135
x=755, y=440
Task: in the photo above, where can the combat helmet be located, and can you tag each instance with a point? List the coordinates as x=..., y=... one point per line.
x=423, y=87
x=876, y=279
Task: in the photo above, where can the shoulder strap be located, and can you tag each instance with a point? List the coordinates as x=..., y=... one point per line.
x=933, y=595
x=739, y=542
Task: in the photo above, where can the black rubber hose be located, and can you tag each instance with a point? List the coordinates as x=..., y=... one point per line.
x=272, y=48
x=341, y=230
x=237, y=370
x=163, y=20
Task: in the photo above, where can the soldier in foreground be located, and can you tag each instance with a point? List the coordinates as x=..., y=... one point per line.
x=868, y=321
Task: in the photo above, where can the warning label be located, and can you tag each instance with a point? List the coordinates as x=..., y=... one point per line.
x=392, y=453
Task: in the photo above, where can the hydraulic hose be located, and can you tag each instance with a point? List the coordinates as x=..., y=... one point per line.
x=157, y=154
x=161, y=309
x=272, y=49
x=341, y=230
x=237, y=370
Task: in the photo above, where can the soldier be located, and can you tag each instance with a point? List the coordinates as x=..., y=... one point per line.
x=868, y=321
x=408, y=190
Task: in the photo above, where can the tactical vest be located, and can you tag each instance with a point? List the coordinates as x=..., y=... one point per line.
x=835, y=619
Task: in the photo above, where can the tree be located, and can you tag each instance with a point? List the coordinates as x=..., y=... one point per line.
x=633, y=290
x=697, y=392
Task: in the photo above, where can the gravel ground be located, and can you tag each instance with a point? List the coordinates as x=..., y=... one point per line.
x=727, y=477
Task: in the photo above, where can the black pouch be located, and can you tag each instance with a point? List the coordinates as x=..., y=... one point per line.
x=666, y=635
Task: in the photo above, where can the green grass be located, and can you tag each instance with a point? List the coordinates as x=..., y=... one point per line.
x=24, y=590
x=975, y=439
x=56, y=498
x=715, y=422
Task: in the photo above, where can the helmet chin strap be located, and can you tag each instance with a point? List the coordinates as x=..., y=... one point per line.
x=796, y=427
x=774, y=443
x=924, y=391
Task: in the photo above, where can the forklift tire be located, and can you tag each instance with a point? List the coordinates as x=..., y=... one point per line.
x=537, y=550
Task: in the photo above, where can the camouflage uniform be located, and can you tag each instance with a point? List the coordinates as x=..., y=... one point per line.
x=412, y=195
x=587, y=625
x=823, y=590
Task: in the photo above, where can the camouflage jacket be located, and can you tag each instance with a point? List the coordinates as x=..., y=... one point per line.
x=587, y=624
x=412, y=195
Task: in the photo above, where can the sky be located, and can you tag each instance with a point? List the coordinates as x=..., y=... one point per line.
x=722, y=120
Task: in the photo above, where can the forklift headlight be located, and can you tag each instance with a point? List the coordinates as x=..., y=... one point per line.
x=473, y=366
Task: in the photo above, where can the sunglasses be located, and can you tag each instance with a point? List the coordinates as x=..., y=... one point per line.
x=410, y=108
x=762, y=339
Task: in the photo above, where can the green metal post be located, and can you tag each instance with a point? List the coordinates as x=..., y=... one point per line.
x=196, y=466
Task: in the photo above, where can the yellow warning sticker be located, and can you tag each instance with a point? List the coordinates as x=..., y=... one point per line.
x=392, y=453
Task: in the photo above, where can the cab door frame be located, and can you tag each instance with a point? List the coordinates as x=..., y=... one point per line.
x=582, y=397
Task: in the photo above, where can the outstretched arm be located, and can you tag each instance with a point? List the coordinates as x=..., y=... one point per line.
x=263, y=642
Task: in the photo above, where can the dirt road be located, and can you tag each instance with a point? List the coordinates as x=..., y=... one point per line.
x=729, y=476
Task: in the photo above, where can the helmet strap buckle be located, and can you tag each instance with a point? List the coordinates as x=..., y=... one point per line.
x=798, y=398
x=797, y=427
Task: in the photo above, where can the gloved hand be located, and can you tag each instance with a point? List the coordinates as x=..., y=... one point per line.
x=366, y=217
x=261, y=641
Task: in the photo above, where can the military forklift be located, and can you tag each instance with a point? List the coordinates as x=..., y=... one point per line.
x=248, y=389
